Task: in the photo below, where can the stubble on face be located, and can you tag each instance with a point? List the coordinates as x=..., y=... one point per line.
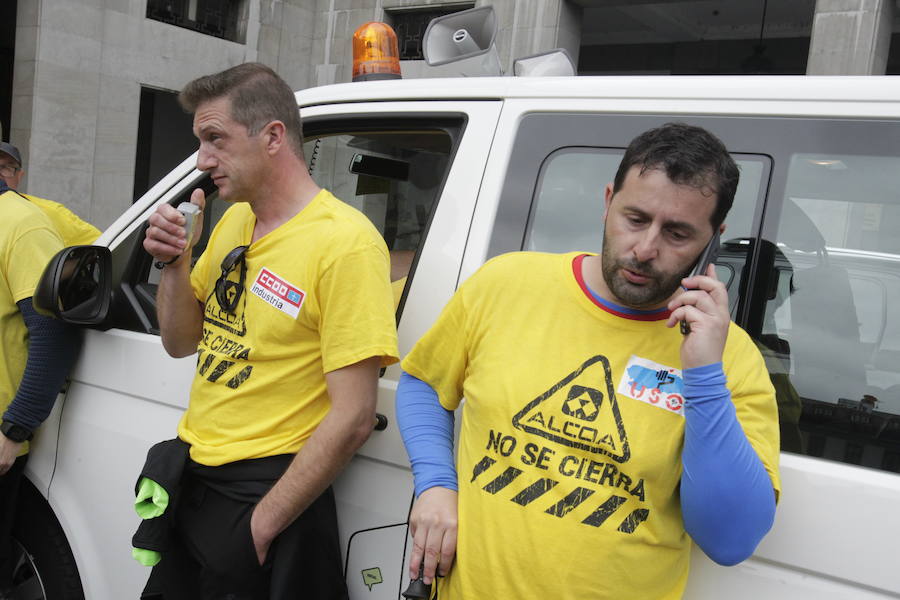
x=656, y=290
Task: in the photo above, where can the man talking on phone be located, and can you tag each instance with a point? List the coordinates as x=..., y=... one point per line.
x=598, y=441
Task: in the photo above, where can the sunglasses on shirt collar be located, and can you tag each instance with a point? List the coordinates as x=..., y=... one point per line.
x=228, y=293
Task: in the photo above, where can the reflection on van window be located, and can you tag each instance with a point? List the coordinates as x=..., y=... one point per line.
x=830, y=327
x=394, y=177
x=567, y=211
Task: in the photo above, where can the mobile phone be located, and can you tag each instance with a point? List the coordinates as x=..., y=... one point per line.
x=707, y=257
x=190, y=211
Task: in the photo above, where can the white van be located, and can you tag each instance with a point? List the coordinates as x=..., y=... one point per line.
x=455, y=171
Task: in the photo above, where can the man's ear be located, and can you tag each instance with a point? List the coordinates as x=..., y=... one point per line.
x=274, y=135
x=607, y=199
x=722, y=228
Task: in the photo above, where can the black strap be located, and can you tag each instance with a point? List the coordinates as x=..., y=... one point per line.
x=160, y=264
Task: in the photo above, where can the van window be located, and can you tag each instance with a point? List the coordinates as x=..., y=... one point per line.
x=567, y=213
x=391, y=171
x=393, y=177
x=568, y=208
x=832, y=326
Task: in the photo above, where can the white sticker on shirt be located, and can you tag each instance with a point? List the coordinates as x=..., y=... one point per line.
x=654, y=384
x=278, y=293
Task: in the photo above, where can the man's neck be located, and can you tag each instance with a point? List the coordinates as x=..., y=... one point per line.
x=283, y=196
x=592, y=272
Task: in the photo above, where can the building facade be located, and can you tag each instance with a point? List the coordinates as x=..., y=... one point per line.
x=87, y=87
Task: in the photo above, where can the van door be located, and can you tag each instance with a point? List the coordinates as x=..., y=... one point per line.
x=125, y=394
x=810, y=257
x=414, y=170
x=415, y=173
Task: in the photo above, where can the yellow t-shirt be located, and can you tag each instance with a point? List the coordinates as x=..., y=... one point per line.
x=317, y=297
x=27, y=243
x=72, y=230
x=570, y=449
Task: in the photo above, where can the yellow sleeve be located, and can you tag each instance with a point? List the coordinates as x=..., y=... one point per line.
x=200, y=275
x=441, y=356
x=71, y=228
x=357, y=309
x=81, y=233
x=754, y=401
x=27, y=258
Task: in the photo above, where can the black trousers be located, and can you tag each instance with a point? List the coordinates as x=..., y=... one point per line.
x=211, y=555
x=9, y=498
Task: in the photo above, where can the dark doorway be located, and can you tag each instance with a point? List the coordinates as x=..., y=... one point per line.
x=164, y=138
x=7, y=58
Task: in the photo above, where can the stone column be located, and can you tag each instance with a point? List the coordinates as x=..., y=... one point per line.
x=850, y=37
x=285, y=39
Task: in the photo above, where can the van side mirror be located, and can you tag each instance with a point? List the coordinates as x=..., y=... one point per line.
x=76, y=286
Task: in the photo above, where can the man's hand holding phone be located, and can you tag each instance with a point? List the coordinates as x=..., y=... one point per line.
x=701, y=312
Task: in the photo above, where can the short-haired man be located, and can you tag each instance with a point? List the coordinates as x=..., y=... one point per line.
x=36, y=353
x=597, y=439
x=290, y=311
x=73, y=230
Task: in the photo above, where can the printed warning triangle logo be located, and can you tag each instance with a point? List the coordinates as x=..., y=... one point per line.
x=215, y=314
x=581, y=411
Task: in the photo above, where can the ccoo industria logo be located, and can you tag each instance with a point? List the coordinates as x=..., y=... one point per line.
x=278, y=292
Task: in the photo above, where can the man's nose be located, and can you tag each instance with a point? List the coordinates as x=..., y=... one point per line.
x=647, y=247
x=205, y=159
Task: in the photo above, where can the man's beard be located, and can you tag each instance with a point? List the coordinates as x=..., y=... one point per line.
x=658, y=288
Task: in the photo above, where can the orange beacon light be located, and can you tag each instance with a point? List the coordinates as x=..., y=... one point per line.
x=376, y=54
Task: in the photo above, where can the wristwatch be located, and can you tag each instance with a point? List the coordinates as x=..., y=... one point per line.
x=16, y=433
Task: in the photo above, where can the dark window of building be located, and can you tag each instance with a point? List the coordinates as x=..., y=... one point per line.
x=696, y=37
x=165, y=138
x=893, y=61
x=218, y=18
x=410, y=26
x=782, y=56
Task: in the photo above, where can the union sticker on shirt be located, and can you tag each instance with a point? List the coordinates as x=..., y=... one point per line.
x=278, y=292
x=654, y=384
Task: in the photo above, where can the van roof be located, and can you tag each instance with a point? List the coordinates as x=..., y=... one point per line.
x=865, y=96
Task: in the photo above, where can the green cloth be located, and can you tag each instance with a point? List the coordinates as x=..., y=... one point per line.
x=152, y=499
x=148, y=558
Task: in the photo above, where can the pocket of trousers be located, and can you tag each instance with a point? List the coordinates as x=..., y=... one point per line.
x=246, y=539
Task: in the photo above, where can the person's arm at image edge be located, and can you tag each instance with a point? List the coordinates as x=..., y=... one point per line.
x=52, y=349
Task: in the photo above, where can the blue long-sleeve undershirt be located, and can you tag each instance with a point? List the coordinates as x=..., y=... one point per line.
x=727, y=499
x=427, y=431
x=52, y=349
